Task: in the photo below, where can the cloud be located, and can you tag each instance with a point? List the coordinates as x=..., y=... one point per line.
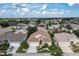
x=23, y=5
x=71, y=4
x=67, y=11
x=44, y=7
x=3, y=11
x=13, y=5
x=25, y=9
x=54, y=9
x=37, y=6
x=17, y=10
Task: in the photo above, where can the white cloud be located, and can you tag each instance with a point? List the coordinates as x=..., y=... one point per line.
x=35, y=12
x=54, y=9
x=25, y=9
x=54, y=13
x=45, y=12
x=67, y=11
x=61, y=12
x=3, y=11
x=13, y=5
x=22, y=13
x=37, y=6
x=71, y=4
x=23, y=5
x=44, y=7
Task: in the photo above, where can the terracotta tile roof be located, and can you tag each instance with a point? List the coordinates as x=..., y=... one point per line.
x=41, y=33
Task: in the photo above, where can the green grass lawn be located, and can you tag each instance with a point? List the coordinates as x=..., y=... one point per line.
x=55, y=50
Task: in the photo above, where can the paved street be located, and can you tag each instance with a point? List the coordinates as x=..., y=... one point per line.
x=71, y=54
x=32, y=54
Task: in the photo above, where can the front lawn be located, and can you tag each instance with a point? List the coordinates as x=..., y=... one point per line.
x=55, y=50
x=43, y=48
x=4, y=45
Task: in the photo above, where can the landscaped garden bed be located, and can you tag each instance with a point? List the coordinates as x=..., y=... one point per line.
x=55, y=50
x=43, y=48
x=23, y=47
x=75, y=47
x=52, y=49
x=3, y=47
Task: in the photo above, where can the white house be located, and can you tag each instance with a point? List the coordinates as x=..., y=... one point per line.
x=54, y=26
x=21, y=26
x=75, y=26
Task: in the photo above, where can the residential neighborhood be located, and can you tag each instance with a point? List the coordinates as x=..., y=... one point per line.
x=33, y=36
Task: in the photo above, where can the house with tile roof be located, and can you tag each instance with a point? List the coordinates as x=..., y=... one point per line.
x=34, y=39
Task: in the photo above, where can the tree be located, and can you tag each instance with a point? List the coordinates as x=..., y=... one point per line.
x=5, y=41
x=47, y=26
x=5, y=44
x=76, y=33
x=68, y=27
x=24, y=45
x=38, y=22
x=51, y=34
x=13, y=29
x=49, y=23
x=31, y=30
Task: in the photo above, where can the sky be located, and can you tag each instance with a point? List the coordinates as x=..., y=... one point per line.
x=38, y=10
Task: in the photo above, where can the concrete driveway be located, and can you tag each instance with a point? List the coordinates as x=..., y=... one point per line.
x=65, y=47
x=33, y=47
x=15, y=47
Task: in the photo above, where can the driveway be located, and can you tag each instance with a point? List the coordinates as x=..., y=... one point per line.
x=65, y=47
x=33, y=47
x=15, y=47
